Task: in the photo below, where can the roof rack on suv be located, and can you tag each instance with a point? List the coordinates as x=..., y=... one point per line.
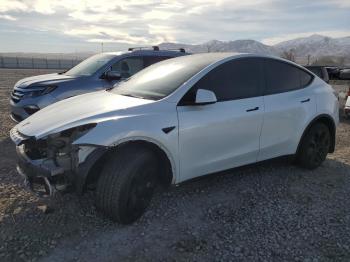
x=182, y=50
x=155, y=48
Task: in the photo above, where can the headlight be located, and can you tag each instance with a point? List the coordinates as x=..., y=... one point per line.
x=60, y=140
x=77, y=132
x=39, y=91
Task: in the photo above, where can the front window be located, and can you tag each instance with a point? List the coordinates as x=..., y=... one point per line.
x=235, y=79
x=90, y=66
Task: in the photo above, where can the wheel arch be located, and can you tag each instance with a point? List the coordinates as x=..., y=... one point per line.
x=166, y=174
x=329, y=122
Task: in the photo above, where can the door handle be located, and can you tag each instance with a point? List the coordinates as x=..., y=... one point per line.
x=253, y=109
x=305, y=101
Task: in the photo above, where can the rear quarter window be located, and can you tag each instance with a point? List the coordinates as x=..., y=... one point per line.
x=316, y=70
x=283, y=77
x=305, y=78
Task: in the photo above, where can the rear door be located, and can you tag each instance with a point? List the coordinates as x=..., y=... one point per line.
x=225, y=134
x=289, y=103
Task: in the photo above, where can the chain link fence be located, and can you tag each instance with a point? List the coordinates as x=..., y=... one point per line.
x=15, y=62
x=65, y=62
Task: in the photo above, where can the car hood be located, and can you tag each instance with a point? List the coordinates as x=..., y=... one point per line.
x=79, y=110
x=43, y=80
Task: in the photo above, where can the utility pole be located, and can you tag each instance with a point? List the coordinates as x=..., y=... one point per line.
x=101, y=47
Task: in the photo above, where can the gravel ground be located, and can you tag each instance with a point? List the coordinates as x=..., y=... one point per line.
x=272, y=211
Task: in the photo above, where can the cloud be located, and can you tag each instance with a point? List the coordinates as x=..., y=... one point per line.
x=341, y=3
x=194, y=21
x=8, y=17
x=6, y=5
x=111, y=35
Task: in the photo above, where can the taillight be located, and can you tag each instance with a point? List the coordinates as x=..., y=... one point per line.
x=349, y=92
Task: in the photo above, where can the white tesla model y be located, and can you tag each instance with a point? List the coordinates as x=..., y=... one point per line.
x=176, y=120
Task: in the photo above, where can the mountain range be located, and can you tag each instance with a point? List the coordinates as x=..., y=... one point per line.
x=314, y=49
x=315, y=46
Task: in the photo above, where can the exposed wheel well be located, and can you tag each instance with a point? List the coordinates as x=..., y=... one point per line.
x=329, y=122
x=165, y=174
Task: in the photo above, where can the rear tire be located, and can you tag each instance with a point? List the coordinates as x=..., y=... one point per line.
x=314, y=146
x=126, y=184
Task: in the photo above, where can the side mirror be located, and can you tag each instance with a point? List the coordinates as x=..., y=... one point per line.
x=112, y=75
x=205, y=97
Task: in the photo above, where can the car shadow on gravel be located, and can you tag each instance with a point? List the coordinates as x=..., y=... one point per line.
x=342, y=117
x=7, y=161
x=345, y=120
x=238, y=206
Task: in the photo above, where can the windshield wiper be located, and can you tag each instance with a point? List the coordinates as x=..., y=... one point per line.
x=61, y=73
x=132, y=96
x=117, y=84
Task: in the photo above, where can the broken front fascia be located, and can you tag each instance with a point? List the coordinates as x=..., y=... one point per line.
x=54, y=163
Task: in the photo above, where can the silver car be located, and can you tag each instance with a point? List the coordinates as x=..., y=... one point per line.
x=98, y=72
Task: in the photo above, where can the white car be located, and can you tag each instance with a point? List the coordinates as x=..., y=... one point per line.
x=347, y=105
x=178, y=119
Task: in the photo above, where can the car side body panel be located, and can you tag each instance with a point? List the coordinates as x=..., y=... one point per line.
x=286, y=115
x=146, y=125
x=326, y=104
x=219, y=136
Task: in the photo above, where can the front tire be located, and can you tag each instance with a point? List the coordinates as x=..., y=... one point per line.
x=125, y=187
x=314, y=146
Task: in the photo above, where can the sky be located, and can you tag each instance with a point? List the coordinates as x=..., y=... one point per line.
x=82, y=25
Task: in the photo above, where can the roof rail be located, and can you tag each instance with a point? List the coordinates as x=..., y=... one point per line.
x=182, y=50
x=155, y=48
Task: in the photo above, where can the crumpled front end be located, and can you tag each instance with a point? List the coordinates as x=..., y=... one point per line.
x=53, y=163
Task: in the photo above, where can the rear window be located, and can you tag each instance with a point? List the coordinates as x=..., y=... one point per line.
x=150, y=60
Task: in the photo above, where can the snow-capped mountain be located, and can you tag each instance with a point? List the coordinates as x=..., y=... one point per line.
x=240, y=46
x=314, y=45
x=317, y=45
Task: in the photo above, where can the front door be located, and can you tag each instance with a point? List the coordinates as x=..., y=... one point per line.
x=225, y=134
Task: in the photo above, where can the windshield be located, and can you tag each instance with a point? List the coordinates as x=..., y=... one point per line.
x=163, y=78
x=90, y=66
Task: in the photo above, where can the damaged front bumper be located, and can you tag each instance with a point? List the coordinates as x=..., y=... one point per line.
x=47, y=174
x=40, y=176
